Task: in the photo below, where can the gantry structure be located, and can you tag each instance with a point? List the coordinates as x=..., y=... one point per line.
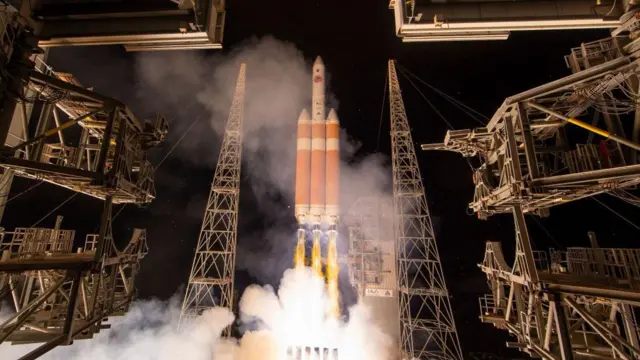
x=427, y=327
x=371, y=262
x=580, y=302
x=56, y=131
x=212, y=273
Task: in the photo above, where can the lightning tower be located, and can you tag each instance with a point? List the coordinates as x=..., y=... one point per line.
x=212, y=274
x=427, y=329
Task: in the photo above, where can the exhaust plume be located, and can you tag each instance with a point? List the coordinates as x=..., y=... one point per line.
x=149, y=330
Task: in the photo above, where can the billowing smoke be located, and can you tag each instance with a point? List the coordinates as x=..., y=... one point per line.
x=197, y=91
x=149, y=330
x=278, y=87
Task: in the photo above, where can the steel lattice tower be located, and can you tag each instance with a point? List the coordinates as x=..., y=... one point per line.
x=427, y=328
x=212, y=274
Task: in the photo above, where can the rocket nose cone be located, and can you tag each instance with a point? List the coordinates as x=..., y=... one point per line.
x=318, y=62
x=332, y=115
x=304, y=115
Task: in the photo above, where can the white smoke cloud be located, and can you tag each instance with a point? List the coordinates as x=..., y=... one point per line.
x=293, y=316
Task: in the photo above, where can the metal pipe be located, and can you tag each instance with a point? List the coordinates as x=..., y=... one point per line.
x=567, y=81
x=602, y=174
x=586, y=126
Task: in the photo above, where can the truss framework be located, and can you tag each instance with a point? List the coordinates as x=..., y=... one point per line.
x=60, y=295
x=427, y=328
x=212, y=274
x=95, y=166
x=524, y=150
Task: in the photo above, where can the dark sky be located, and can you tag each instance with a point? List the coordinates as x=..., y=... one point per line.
x=355, y=39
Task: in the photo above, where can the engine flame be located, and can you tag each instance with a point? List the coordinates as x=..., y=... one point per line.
x=332, y=269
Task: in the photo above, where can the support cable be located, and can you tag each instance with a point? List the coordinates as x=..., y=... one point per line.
x=118, y=213
x=384, y=97
x=179, y=140
x=24, y=192
x=433, y=107
x=625, y=196
x=457, y=103
x=616, y=213
x=56, y=208
x=539, y=223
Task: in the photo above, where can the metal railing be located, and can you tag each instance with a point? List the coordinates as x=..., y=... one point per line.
x=619, y=264
x=489, y=307
x=37, y=242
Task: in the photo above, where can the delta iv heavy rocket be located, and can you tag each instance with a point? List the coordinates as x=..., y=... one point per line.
x=317, y=185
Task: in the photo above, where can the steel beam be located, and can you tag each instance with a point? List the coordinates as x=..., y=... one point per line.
x=419, y=20
x=588, y=176
x=562, y=332
x=139, y=26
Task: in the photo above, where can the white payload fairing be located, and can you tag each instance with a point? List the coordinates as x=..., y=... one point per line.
x=317, y=184
x=317, y=168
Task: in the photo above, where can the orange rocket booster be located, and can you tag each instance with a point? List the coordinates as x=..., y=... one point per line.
x=332, y=179
x=303, y=167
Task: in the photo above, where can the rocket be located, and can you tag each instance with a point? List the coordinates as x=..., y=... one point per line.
x=317, y=184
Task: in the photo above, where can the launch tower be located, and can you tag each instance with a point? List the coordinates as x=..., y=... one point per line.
x=427, y=328
x=212, y=273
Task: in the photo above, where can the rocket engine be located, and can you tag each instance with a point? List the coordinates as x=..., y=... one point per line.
x=317, y=186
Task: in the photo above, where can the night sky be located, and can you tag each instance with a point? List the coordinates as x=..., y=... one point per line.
x=355, y=39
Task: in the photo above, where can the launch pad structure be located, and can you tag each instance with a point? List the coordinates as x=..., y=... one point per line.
x=581, y=302
x=56, y=131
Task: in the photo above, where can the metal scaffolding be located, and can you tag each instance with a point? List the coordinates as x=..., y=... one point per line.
x=372, y=269
x=60, y=295
x=212, y=273
x=61, y=292
x=427, y=328
x=527, y=158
